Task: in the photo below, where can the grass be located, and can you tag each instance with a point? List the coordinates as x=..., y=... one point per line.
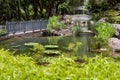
x=60, y=68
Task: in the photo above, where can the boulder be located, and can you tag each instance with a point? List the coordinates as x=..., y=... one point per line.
x=65, y=32
x=117, y=27
x=114, y=43
x=104, y=19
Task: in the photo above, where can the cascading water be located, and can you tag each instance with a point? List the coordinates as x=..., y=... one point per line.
x=83, y=19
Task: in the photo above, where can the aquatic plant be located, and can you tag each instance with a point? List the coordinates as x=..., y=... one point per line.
x=31, y=44
x=53, y=40
x=76, y=29
x=74, y=47
x=51, y=46
x=36, y=47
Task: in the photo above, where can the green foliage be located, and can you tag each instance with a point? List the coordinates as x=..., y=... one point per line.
x=31, y=44
x=97, y=5
x=104, y=32
x=36, y=47
x=115, y=19
x=53, y=40
x=76, y=29
x=51, y=46
x=74, y=47
x=60, y=68
x=99, y=15
x=53, y=23
x=112, y=13
x=52, y=52
x=3, y=32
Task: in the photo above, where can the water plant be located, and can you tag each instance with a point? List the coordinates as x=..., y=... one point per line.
x=53, y=40
x=35, y=47
x=51, y=46
x=74, y=47
x=76, y=29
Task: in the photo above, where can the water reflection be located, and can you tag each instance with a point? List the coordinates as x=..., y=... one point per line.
x=80, y=45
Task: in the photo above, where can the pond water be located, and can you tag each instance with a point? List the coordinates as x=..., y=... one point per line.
x=74, y=45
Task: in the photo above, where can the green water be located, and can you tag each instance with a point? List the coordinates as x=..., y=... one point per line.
x=87, y=43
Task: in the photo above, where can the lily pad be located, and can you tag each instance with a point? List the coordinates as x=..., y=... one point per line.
x=52, y=52
x=51, y=46
x=31, y=44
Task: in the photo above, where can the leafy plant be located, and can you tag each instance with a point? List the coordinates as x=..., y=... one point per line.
x=112, y=13
x=115, y=19
x=59, y=68
x=51, y=46
x=74, y=46
x=36, y=47
x=99, y=15
x=103, y=32
x=76, y=29
x=3, y=32
x=53, y=40
x=53, y=23
x=31, y=44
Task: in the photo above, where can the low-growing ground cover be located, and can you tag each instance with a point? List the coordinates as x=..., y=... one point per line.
x=60, y=68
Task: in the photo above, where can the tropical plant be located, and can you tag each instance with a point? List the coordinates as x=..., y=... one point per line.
x=103, y=32
x=53, y=23
x=62, y=67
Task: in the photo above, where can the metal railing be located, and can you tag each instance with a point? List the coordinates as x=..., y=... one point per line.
x=2, y=27
x=24, y=26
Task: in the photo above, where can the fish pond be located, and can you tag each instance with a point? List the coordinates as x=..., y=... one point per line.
x=81, y=45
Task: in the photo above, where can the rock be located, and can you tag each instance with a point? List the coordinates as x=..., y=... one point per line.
x=115, y=44
x=63, y=32
x=117, y=27
x=92, y=22
x=114, y=55
x=104, y=19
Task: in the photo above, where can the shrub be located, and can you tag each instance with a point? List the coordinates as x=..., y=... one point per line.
x=3, y=32
x=60, y=68
x=54, y=23
x=103, y=32
x=115, y=19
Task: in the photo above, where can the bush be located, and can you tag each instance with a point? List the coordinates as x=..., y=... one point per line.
x=103, y=32
x=115, y=19
x=60, y=68
x=3, y=32
x=54, y=23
